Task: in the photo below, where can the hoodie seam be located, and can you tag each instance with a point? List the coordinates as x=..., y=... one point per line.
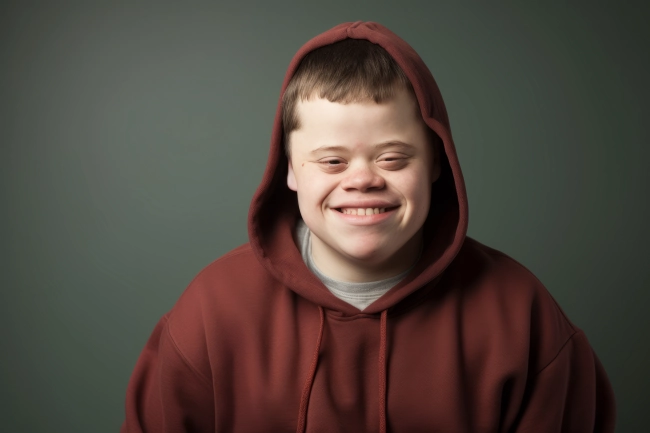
x=204, y=380
x=565, y=344
x=496, y=253
x=574, y=330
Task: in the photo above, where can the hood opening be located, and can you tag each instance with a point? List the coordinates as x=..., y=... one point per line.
x=274, y=208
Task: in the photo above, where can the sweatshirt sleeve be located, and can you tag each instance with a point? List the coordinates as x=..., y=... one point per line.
x=165, y=393
x=571, y=394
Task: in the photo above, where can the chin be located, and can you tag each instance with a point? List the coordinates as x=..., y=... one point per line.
x=369, y=254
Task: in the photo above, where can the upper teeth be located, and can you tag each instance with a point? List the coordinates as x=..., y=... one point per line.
x=362, y=211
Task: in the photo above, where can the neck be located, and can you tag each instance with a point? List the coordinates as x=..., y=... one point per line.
x=350, y=269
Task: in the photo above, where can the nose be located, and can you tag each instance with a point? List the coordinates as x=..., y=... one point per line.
x=362, y=178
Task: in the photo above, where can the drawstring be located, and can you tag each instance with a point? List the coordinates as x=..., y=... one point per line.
x=382, y=372
x=304, y=399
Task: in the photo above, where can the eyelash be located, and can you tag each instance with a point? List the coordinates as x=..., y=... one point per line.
x=338, y=162
x=329, y=161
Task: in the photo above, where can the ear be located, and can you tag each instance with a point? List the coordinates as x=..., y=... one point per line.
x=291, y=178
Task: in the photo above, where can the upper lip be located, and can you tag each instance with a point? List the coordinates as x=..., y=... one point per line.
x=365, y=204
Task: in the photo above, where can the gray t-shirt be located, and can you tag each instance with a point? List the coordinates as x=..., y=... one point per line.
x=361, y=295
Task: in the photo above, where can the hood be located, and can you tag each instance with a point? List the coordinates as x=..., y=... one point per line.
x=274, y=208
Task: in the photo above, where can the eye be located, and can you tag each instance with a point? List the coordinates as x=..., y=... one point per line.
x=393, y=160
x=332, y=164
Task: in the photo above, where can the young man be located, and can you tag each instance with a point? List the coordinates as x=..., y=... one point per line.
x=359, y=304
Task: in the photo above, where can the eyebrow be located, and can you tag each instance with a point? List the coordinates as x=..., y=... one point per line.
x=391, y=143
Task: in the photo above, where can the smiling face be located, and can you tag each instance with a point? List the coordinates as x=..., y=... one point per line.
x=363, y=173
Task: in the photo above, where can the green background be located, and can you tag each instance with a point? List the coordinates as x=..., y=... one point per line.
x=134, y=134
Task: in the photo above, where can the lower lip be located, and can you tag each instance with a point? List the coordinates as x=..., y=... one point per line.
x=362, y=220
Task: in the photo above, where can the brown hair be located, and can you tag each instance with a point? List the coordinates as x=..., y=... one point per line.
x=351, y=70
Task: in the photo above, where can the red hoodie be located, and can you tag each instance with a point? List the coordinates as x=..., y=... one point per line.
x=469, y=341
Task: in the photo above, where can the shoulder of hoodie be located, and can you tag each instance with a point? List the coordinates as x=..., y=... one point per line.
x=497, y=286
x=222, y=292
x=230, y=281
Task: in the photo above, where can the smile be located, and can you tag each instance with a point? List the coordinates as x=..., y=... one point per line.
x=364, y=216
x=361, y=211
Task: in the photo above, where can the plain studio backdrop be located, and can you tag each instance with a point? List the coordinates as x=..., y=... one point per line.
x=133, y=135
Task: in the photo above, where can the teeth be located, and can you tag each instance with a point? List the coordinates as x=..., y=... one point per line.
x=362, y=211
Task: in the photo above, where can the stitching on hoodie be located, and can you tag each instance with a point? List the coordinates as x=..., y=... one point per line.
x=559, y=352
x=496, y=253
x=186, y=361
x=499, y=254
x=242, y=249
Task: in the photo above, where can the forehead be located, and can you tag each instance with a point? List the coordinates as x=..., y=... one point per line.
x=356, y=123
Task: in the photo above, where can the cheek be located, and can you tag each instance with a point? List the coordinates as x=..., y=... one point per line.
x=417, y=192
x=314, y=189
x=422, y=190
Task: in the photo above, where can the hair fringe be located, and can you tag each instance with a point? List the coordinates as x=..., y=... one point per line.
x=351, y=70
